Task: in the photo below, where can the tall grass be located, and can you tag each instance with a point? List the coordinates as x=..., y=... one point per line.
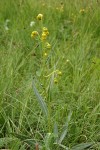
x=40, y=109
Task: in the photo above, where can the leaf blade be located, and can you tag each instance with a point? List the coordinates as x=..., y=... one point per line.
x=65, y=129
x=40, y=100
x=82, y=146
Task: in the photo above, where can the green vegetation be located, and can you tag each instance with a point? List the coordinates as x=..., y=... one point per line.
x=50, y=83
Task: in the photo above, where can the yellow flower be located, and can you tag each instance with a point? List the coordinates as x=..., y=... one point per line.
x=48, y=45
x=40, y=17
x=45, y=30
x=82, y=11
x=34, y=33
x=55, y=81
x=59, y=73
x=44, y=36
x=67, y=60
x=47, y=33
x=45, y=54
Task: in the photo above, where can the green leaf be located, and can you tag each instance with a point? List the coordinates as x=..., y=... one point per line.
x=82, y=146
x=47, y=141
x=65, y=129
x=40, y=100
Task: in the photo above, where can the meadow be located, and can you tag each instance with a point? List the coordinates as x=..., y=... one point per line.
x=50, y=74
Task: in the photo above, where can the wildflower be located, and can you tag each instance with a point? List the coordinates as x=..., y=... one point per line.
x=45, y=54
x=48, y=45
x=40, y=17
x=47, y=33
x=32, y=23
x=55, y=81
x=44, y=36
x=34, y=33
x=67, y=60
x=45, y=30
x=82, y=11
x=59, y=73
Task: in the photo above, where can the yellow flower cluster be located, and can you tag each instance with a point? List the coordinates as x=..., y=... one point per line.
x=45, y=30
x=55, y=79
x=34, y=34
x=42, y=37
x=47, y=46
x=45, y=33
x=82, y=11
x=61, y=7
x=44, y=47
